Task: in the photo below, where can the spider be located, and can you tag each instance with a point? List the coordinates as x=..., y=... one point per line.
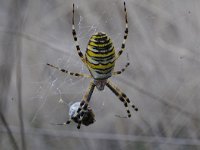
x=100, y=60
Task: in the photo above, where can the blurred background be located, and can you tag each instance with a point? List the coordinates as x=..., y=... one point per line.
x=162, y=81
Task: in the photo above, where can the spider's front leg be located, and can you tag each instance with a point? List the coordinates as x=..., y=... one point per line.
x=80, y=54
x=84, y=114
x=125, y=34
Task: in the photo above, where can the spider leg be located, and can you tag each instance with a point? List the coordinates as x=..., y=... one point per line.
x=84, y=103
x=63, y=124
x=125, y=34
x=76, y=40
x=70, y=73
x=81, y=115
x=123, y=69
x=122, y=96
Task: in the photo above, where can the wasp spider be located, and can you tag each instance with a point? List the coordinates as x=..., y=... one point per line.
x=100, y=58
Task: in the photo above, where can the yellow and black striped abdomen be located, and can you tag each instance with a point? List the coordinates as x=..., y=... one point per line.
x=100, y=56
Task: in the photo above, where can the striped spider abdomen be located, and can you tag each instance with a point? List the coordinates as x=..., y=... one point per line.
x=100, y=56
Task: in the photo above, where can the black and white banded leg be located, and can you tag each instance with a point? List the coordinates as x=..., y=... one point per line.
x=84, y=110
x=76, y=40
x=122, y=97
x=70, y=73
x=123, y=69
x=125, y=34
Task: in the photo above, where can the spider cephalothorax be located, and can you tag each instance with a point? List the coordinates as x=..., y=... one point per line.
x=100, y=60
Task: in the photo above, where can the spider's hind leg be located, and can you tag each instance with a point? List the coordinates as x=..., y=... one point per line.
x=122, y=97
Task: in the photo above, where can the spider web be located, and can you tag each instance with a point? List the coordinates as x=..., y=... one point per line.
x=163, y=79
x=55, y=91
